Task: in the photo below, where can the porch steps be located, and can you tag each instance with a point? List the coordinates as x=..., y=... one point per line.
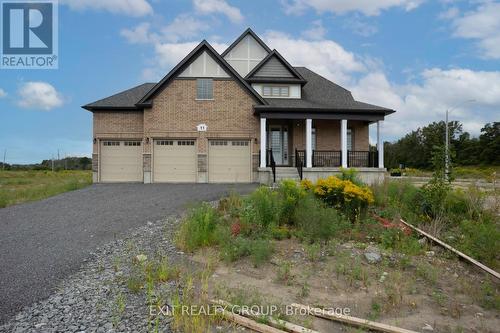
x=286, y=173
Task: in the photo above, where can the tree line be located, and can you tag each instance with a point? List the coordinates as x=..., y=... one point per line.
x=418, y=148
x=68, y=163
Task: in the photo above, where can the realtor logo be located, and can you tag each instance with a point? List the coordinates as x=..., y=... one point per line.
x=29, y=35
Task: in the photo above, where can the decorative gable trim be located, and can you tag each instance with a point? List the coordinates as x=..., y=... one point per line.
x=243, y=35
x=293, y=77
x=146, y=101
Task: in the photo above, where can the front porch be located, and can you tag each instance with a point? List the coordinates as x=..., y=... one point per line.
x=313, y=148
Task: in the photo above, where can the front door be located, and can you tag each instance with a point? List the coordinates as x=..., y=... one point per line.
x=278, y=142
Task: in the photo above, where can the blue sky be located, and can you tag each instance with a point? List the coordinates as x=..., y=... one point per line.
x=416, y=56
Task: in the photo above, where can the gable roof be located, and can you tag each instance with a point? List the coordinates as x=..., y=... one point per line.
x=296, y=76
x=243, y=35
x=203, y=46
x=125, y=100
x=320, y=95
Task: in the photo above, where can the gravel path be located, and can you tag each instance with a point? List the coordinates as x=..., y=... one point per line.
x=43, y=242
x=89, y=300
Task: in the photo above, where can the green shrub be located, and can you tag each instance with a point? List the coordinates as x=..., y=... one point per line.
x=481, y=240
x=198, y=228
x=352, y=176
x=396, y=239
x=262, y=208
x=316, y=222
x=290, y=194
x=260, y=251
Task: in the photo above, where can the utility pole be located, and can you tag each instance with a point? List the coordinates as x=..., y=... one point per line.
x=4, y=155
x=447, y=141
x=52, y=163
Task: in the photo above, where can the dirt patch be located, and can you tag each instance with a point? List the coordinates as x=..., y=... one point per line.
x=413, y=292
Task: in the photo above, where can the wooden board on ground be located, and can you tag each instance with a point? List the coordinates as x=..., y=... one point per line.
x=290, y=327
x=248, y=323
x=460, y=254
x=363, y=323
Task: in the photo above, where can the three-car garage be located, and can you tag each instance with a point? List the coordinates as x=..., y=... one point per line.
x=176, y=161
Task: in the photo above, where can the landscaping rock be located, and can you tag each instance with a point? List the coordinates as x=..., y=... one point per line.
x=372, y=255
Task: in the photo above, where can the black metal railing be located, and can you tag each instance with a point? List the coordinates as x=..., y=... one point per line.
x=326, y=158
x=271, y=163
x=362, y=159
x=299, y=163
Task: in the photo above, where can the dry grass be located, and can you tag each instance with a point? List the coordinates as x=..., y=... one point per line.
x=24, y=186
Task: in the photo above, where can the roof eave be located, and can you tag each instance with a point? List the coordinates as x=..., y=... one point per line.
x=267, y=108
x=111, y=108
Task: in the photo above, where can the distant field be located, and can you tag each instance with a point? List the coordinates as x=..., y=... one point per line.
x=463, y=172
x=23, y=186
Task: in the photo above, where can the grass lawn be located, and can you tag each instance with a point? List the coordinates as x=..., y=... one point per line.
x=24, y=186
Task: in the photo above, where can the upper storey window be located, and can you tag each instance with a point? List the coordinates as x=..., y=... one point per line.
x=276, y=91
x=204, y=89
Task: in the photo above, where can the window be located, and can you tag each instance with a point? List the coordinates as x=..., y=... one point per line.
x=349, y=139
x=218, y=143
x=276, y=91
x=204, y=89
x=240, y=143
x=111, y=143
x=164, y=143
x=132, y=143
x=313, y=138
x=185, y=143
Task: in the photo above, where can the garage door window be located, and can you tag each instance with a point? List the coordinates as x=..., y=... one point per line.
x=132, y=143
x=111, y=143
x=185, y=143
x=218, y=143
x=240, y=143
x=164, y=143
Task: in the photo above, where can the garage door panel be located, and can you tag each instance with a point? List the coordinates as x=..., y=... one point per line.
x=174, y=161
x=229, y=161
x=121, y=161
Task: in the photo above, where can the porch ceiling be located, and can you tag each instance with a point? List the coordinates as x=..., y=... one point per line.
x=317, y=114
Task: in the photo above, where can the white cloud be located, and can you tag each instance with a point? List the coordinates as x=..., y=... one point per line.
x=2, y=93
x=126, y=7
x=167, y=55
x=418, y=104
x=359, y=27
x=181, y=28
x=218, y=7
x=367, y=7
x=39, y=95
x=317, y=31
x=323, y=56
x=483, y=25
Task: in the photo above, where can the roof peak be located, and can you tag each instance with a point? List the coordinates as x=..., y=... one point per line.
x=250, y=32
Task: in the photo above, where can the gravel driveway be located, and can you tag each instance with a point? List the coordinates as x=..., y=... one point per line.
x=45, y=241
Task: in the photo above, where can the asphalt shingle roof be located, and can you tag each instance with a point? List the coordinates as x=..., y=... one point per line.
x=125, y=99
x=322, y=95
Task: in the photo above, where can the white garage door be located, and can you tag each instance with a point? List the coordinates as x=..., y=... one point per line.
x=174, y=161
x=229, y=161
x=121, y=161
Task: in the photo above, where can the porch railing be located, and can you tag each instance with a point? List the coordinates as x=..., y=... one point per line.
x=326, y=158
x=362, y=159
x=270, y=162
x=299, y=163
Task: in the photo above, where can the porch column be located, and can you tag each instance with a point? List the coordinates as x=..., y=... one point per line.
x=308, y=143
x=263, y=145
x=380, y=144
x=343, y=141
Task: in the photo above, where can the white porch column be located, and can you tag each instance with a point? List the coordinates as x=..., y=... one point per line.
x=308, y=143
x=263, y=144
x=380, y=144
x=343, y=141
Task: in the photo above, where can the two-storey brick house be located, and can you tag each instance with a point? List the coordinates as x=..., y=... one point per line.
x=245, y=115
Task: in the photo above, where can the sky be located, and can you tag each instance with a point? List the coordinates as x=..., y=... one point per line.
x=419, y=57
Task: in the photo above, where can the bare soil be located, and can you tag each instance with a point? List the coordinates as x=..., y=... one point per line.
x=418, y=292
